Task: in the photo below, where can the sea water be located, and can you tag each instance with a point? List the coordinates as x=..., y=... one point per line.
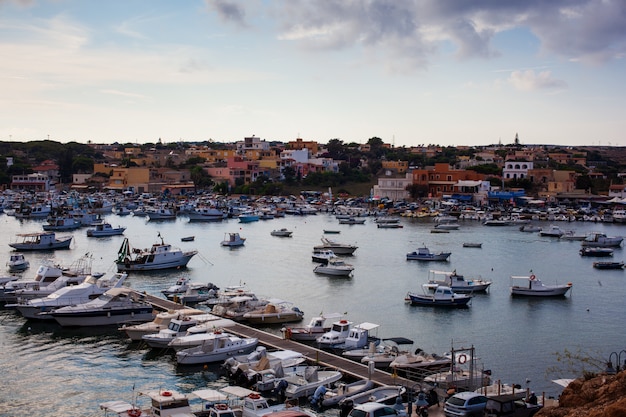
x=54, y=371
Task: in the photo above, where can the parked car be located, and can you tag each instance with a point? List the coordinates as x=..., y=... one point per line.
x=465, y=404
x=373, y=409
x=510, y=405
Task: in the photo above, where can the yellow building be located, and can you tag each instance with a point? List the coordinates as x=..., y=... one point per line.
x=124, y=178
x=399, y=166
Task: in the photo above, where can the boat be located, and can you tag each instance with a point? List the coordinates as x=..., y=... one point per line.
x=161, y=213
x=358, y=337
x=322, y=255
x=160, y=256
x=187, y=239
x=389, y=226
x=337, y=334
x=17, y=262
x=442, y=297
x=382, y=354
x=233, y=240
x=238, y=306
x=326, y=398
x=530, y=228
x=336, y=247
x=352, y=220
x=447, y=226
x=41, y=241
x=472, y=245
x=248, y=217
x=249, y=370
x=596, y=251
x=104, y=230
x=177, y=327
x=608, y=265
x=424, y=254
x=331, y=232
x=66, y=222
x=419, y=362
x=184, y=286
x=216, y=349
x=458, y=283
x=304, y=384
x=552, y=231
x=571, y=235
x=387, y=220
x=384, y=394
x=163, y=403
x=601, y=240
x=90, y=288
x=116, y=306
x=281, y=232
x=533, y=287
x=334, y=267
x=161, y=321
x=274, y=312
x=311, y=331
x=496, y=222
x=206, y=214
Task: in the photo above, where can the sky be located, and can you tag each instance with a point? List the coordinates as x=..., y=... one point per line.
x=411, y=72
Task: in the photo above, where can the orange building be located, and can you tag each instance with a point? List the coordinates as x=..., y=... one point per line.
x=441, y=178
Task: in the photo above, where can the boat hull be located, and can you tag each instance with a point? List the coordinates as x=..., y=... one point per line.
x=147, y=266
x=103, y=318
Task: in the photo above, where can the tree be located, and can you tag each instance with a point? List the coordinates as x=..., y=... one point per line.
x=201, y=179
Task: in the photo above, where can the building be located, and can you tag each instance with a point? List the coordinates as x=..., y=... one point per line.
x=442, y=179
x=31, y=182
x=393, y=186
x=516, y=169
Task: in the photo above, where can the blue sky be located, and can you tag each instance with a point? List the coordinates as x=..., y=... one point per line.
x=447, y=72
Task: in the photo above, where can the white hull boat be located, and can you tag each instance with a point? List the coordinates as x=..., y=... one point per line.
x=335, y=267
x=160, y=256
x=104, y=230
x=216, y=349
x=531, y=286
x=41, y=241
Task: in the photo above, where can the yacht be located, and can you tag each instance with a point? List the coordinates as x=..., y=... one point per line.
x=116, y=306
x=91, y=288
x=160, y=256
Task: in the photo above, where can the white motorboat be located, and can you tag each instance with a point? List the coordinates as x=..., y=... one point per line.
x=323, y=255
x=420, y=361
x=233, y=240
x=601, y=240
x=384, y=354
x=163, y=403
x=206, y=214
x=159, y=256
x=552, y=231
x=336, y=247
x=238, y=306
x=335, y=267
x=161, y=321
x=533, y=287
x=352, y=220
x=571, y=235
x=424, y=254
x=281, y=232
x=443, y=296
x=530, y=228
x=447, y=226
x=40, y=241
x=248, y=369
x=161, y=213
x=337, y=334
x=17, y=262
x=215, y=349
x=89, y=289
x=200, y=333
x=185, y=291
x=305, y=384
x=330, y=397
x=384, y=394
x=465, y=373
x=458, y=283
x=176, y=328
x=311, y=331
x=358, y=337
x=104, y=230
x=66, y=222
x=116, y=306
x=48, y=278
x=274, y=312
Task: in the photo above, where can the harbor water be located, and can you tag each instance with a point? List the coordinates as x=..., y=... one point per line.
x=53, y=371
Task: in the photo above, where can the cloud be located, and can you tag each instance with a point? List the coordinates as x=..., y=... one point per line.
x=413, y=30
x=529, y=81
x=229, y=11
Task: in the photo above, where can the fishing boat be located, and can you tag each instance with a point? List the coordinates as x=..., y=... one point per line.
x=40, y=241
x=160, y=256
x=233, y=240
x=608, y=265
x=424, y=254
x=104, y=230
x=533, y=287
x=284, y=232
x=442, y=297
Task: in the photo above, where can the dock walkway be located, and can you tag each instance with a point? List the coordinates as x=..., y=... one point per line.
x=323, y=358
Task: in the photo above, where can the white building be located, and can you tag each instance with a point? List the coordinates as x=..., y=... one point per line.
x=516, y=169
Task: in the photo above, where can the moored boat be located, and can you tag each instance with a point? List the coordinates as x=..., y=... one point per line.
x=424, y=254
x=443, y=296
x=533, y=287
x=104, y=230
x=159, y=256
x=41, y=241
x=608, y=265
